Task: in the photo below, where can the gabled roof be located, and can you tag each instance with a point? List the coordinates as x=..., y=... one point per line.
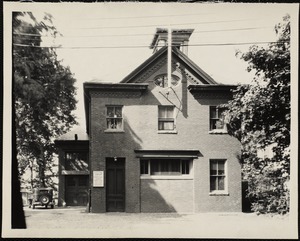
x=195, y=69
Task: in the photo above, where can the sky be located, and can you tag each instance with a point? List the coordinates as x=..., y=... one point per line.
x=106, y=41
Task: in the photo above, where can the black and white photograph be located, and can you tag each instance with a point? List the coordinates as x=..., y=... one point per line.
x=150, y=120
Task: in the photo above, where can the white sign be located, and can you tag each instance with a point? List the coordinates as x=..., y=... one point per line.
x=98, y=179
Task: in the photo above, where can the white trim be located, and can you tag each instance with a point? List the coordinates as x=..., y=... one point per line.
x=167, y=132
x=114, y=131
x=170, y=177
x=220, y=192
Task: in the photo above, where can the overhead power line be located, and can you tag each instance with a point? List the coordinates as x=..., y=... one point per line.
x=172, y=24
x=144, y=46
x=152, y=16
x=143, y=34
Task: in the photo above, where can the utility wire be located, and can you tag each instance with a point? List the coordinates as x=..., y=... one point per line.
x=146, y=34
x=156, y=25
x=153, y=16
x=143, y=46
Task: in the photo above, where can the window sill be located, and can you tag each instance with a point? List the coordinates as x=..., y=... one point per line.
x=218, y=131
x=114, y=131
x=167, y=132
x=181, y=177
x=218, y=194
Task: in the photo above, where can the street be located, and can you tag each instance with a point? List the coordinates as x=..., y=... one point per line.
x=76, y=222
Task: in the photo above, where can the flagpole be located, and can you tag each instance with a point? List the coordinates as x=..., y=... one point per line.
x=169, y=56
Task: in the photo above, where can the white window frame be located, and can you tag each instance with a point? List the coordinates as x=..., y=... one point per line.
x=162, y=119
x=219, y=192
x=121, y=129
x=221, y=130
x=157, y=176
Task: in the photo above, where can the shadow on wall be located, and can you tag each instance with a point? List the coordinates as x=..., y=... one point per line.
x=152, y=200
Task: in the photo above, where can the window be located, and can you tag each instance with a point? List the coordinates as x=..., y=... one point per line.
x=162, y=80
x=114, y=118
x=166, y=118
x=165, y=167
x=217, y=175
x=216, y=118
x=76, y=161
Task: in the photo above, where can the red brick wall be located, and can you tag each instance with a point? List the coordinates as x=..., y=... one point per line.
x=140, y=132
x=167, y=195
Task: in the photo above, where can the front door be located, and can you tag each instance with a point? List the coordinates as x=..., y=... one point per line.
x=115, y=184
x=77, y=190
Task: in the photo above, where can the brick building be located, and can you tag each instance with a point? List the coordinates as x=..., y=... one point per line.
x=152, y=147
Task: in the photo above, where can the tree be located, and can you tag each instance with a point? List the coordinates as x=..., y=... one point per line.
x=43, y=91
x=259, y=116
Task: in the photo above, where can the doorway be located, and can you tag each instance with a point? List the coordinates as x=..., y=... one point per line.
x=77, y=190
x=115, y=184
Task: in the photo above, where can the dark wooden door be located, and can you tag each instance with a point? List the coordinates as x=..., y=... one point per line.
x=77, y=190
x=115, y=185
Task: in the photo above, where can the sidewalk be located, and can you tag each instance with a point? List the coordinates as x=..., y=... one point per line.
x=76, y=222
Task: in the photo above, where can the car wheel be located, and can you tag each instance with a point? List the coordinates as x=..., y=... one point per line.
x=44, y=200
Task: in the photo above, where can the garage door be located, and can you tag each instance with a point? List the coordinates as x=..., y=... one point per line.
x=77, y=190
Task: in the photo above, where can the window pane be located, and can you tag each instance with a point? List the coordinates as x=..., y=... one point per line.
x=82, y=181
x=76, y=161
x=70, y=181
x=213, y=183
x=185, y=167
x=161, y=112
x=213, y=168
x=118, y=111
x=213, y=112
x=144, y=167
x=160, y=125
x=221, y=169
x=110, y=111
x=221, y=183
x=154, y=167
x=219, y=124
x=118, y=123
x=175, y=166
x=110, y=124
x=168, y=126
x=164, y=166
x=165, y=125
x=169, y=110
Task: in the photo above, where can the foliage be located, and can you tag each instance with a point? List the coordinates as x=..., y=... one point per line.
x=259, y=116
x=43, y=91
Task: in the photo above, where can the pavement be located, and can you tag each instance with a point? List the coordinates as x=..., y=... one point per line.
x=76, y=222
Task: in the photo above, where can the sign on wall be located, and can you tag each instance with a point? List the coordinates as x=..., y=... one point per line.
x=98, y=179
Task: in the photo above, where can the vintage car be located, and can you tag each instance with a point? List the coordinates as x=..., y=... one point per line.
x=42, y=197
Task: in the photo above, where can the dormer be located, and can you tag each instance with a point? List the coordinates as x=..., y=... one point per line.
x=180, y=39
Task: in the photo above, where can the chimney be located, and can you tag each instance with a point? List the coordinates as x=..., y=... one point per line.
x=180, y=39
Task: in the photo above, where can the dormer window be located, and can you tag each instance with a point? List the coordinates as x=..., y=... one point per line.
x=162, y=80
